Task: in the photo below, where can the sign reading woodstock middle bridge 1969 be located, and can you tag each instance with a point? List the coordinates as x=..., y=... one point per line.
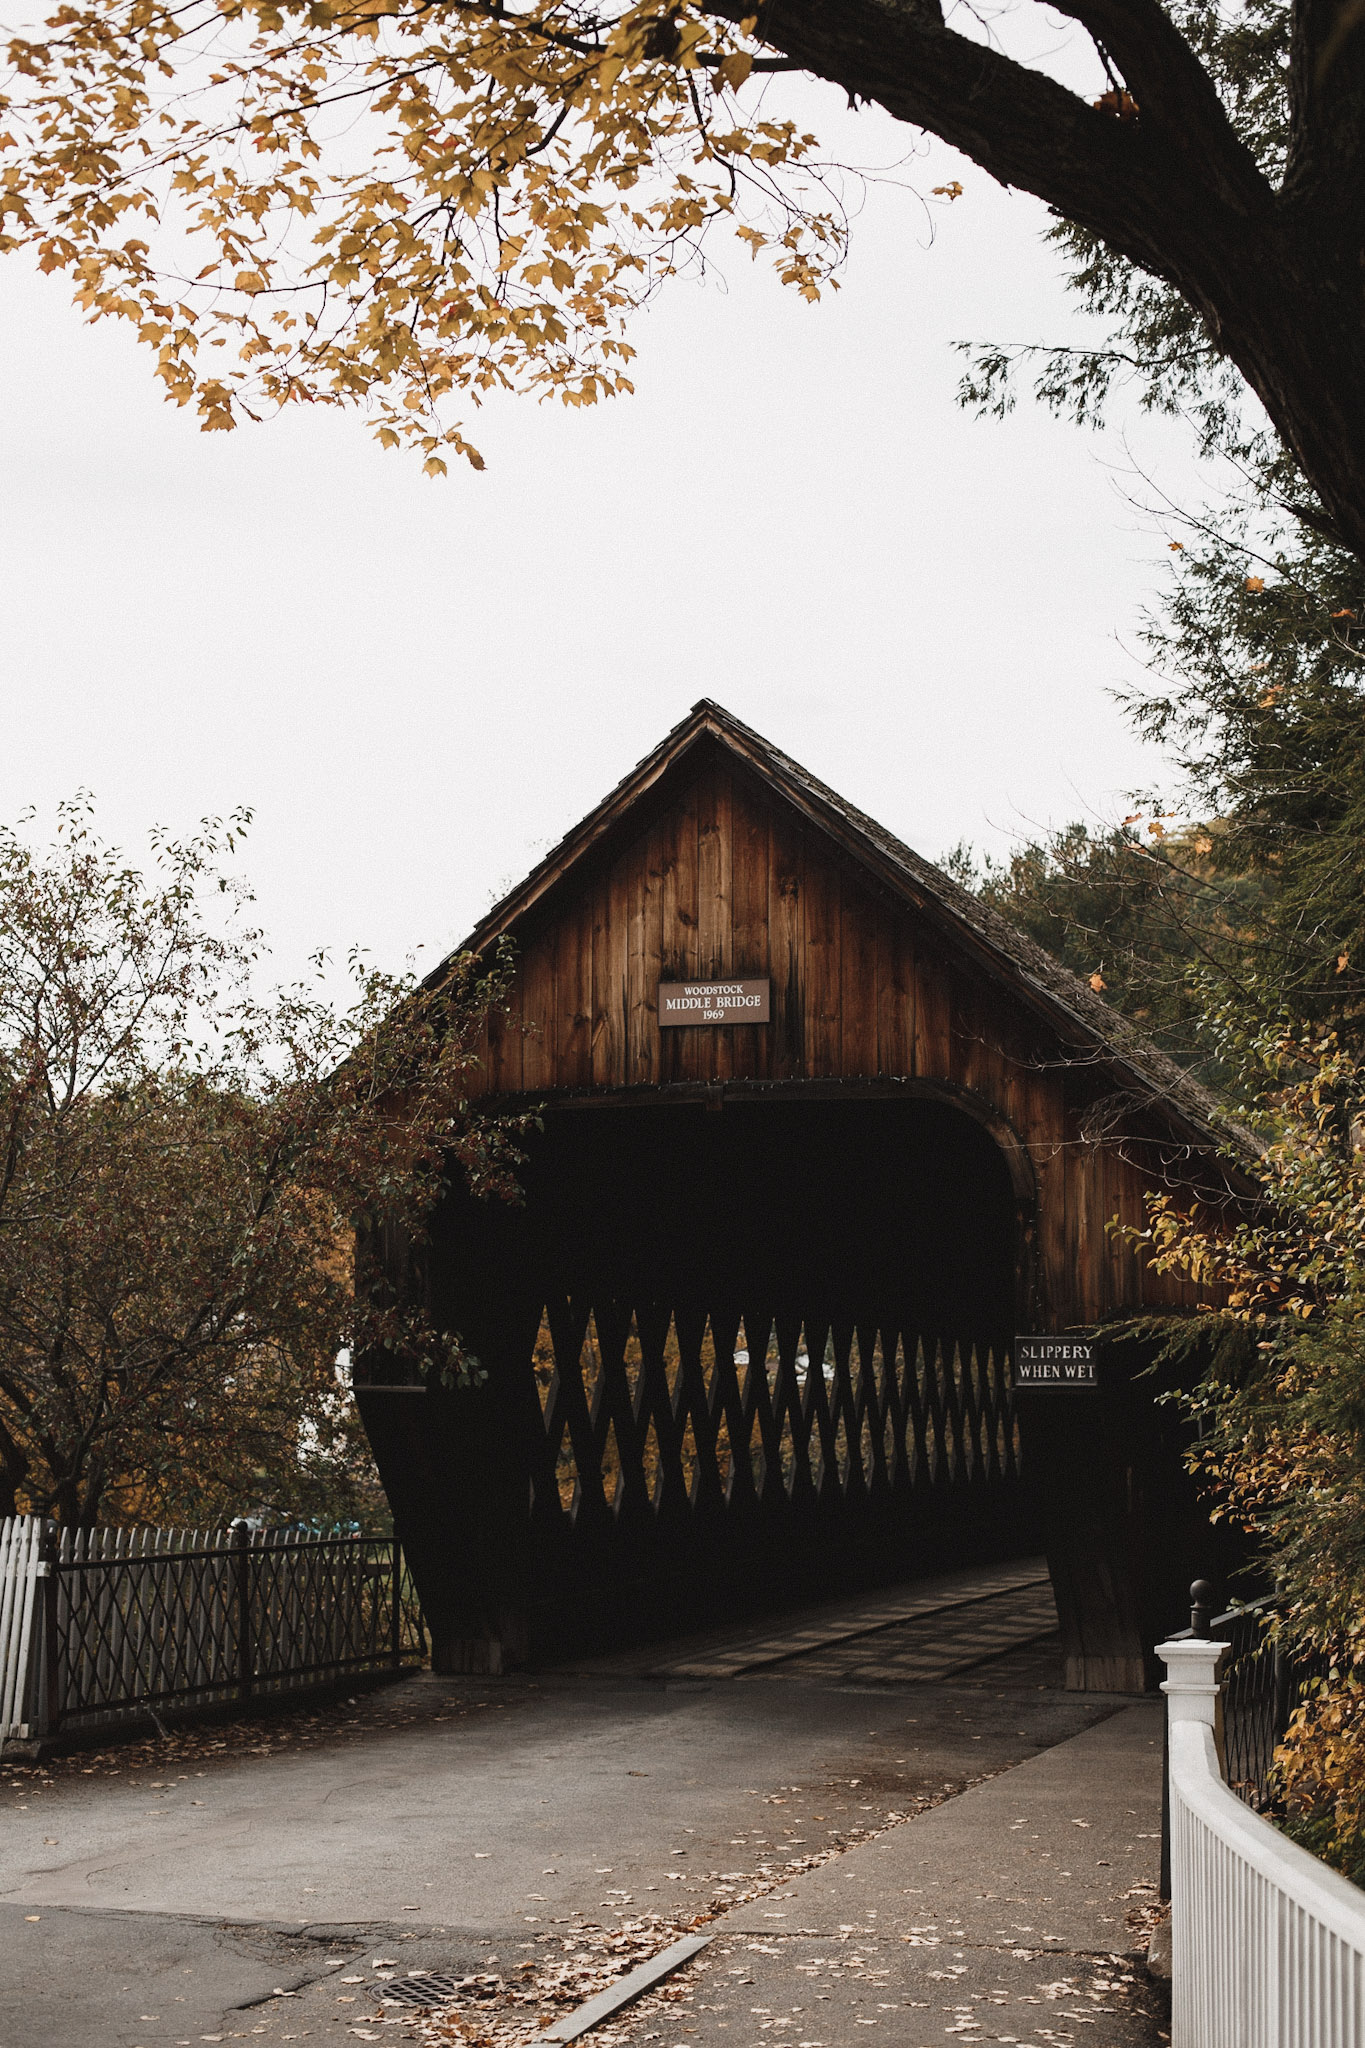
x=1054, y=1362
x=714, y=1002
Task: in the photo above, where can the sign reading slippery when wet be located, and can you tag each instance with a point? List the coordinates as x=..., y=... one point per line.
x=714, y=1002
x=1054, y=1362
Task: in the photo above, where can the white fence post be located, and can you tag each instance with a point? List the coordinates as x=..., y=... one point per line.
x=1194, y=1709
x=20, y=1537
x=1267, y=1943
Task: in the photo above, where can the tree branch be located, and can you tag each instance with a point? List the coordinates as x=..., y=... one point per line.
x=1175, y=180
x=1173, y=191
x=1327, y=118
x=1175, y=94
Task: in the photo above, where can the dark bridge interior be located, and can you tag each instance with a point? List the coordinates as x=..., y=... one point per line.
x=862, y=1210
x=733, y=1359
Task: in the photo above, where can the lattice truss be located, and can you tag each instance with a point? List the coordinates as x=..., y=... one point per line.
x=664, y=1412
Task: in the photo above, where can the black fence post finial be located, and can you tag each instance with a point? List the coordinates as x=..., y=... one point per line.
x=1201, y=1609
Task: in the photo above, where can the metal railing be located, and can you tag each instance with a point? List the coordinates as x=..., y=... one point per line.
x=126, y=1624
x=1267, y=1943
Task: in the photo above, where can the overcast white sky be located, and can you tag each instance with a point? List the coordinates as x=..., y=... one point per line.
x=420, y=685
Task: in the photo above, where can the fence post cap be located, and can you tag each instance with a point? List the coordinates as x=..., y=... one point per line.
x=1191, y=1684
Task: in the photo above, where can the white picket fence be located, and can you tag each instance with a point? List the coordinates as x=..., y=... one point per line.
x=19, y=1540
x=103, y=1626
x=1267, y=1943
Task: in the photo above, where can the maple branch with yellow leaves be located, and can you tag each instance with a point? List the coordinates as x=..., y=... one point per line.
x=512, y=183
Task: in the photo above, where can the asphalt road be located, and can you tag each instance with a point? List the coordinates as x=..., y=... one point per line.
x=170, y=1900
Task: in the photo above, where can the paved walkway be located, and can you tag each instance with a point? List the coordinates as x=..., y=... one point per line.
x=497, y=1828
x=1002, y=1916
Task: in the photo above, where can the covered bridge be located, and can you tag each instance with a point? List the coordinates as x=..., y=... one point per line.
x=822, y=1133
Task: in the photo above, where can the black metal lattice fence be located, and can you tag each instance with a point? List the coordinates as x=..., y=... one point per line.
x=130, y=1622
x=1259, y=1690
x=1262, y=1683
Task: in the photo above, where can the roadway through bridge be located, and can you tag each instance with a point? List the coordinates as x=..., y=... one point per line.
x=529, y=1838
x=930, y=1629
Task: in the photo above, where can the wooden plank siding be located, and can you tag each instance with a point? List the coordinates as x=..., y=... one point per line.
x=722, y=878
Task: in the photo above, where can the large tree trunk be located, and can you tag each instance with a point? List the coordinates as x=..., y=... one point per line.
x=1276, y=274
x=13, y=1473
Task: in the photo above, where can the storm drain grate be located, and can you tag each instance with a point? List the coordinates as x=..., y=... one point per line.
x=424, y=1987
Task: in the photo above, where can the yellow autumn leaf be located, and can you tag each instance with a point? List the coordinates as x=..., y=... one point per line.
x=689, y=41
x=1255, y=584
x=734, y=69
x=1097, y=982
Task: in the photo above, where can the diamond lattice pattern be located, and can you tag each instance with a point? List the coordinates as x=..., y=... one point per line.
x=665, y=1412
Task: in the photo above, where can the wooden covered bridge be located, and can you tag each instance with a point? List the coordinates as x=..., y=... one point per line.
x=822, y=1133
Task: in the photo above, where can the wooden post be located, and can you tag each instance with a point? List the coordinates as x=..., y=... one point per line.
x=1122, y=1518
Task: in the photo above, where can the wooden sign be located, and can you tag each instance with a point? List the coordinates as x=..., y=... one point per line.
x=1054, y=1362
x=714, y=1002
